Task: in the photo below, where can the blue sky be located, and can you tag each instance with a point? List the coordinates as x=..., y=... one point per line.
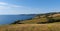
x=29, y=6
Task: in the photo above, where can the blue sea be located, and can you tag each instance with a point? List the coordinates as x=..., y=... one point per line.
x=7, y=19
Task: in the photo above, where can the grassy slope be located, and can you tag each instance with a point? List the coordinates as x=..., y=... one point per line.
x=34, y=21
x=43, y=18
x=31, y=27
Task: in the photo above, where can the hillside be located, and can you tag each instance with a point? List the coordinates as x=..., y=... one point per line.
x=31, y=27
x=41, y=18
x=41, y=22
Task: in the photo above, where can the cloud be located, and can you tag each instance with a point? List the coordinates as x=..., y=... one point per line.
x=5, y=6
x=3, y=3
x=16, y=6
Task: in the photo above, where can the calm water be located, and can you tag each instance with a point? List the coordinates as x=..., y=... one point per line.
x=7, y=19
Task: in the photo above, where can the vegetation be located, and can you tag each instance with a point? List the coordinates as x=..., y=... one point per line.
x=17, y=22
x=31, y=27
x=41, y=22
x=42, y=19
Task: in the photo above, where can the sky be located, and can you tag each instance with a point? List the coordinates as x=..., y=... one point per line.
x=28, y=6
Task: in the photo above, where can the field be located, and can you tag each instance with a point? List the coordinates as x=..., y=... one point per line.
x=31, y=27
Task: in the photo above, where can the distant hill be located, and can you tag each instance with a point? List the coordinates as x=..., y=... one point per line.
x=41, y=18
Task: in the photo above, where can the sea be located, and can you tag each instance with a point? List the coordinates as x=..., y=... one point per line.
x=8, y=19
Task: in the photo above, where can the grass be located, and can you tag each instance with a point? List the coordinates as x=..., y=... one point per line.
x=31, y=27
x=34, y=21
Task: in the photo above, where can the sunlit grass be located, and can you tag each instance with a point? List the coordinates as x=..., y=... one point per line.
x=31, y=27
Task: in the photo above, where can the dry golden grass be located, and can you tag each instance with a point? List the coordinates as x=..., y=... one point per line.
x=31, y=27
x=34, y=21
x=56, y=15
